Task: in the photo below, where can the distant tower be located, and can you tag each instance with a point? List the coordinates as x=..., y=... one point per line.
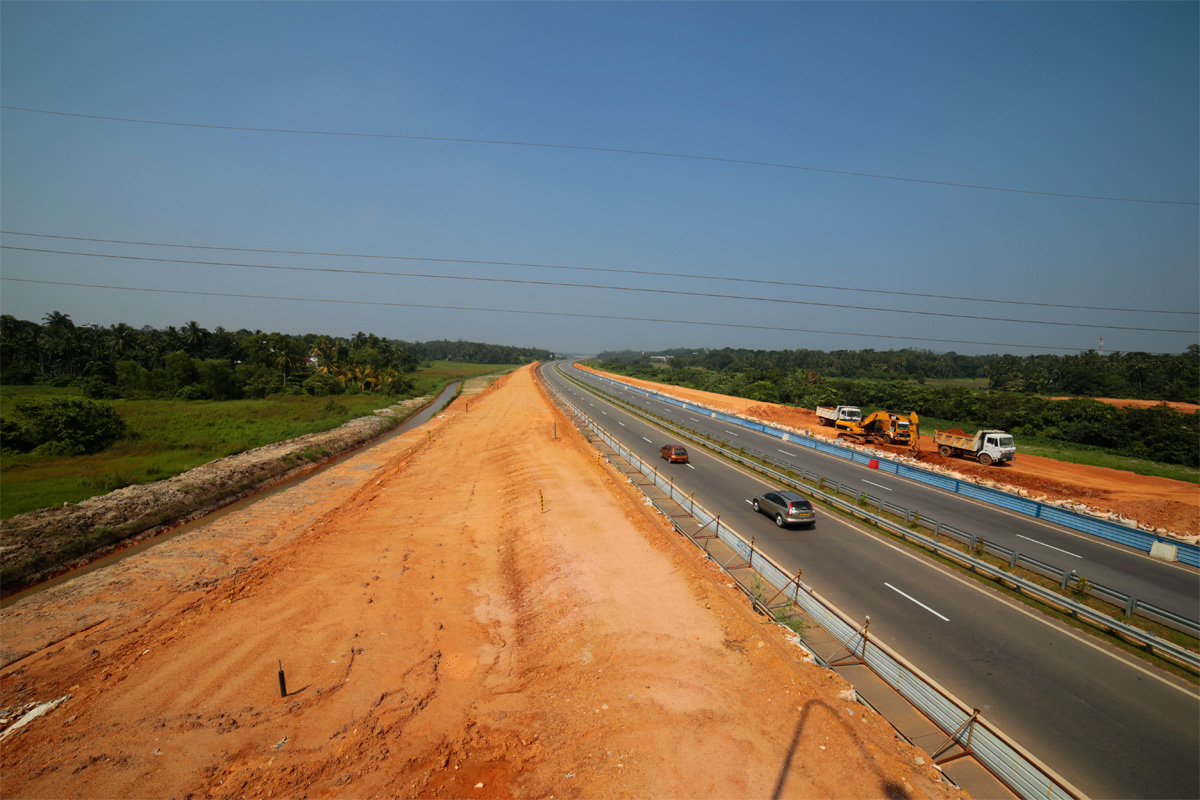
x=1101, y=350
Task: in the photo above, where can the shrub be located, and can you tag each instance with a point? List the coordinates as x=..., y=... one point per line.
x=81, y=426
x=192, y=392
x=97, y=388
x=322, y=385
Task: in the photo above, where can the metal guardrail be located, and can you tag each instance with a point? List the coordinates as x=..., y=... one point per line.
x=1186, y=553
x=1150, y=642
x=1068, y=580
x=999, y=754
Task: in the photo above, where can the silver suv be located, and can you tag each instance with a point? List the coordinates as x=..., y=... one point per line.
x=787, y=508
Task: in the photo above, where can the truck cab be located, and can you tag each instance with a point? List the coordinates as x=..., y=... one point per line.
x=998, y=446
x=849, y=414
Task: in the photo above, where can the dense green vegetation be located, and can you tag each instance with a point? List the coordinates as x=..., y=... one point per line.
x=192, y=363
x=166, y=437
x=1126, y=375
x=87, y=409
x=1155, y=434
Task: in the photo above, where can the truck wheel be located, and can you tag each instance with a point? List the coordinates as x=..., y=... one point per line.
x=985, y=459
x=945, y=451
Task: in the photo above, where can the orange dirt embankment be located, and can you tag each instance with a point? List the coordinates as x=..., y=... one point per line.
x=1170, y=507
x=1187, y=408
x=443, y=635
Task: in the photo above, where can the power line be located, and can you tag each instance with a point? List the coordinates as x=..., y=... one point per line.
x=595, y=269
x=539, y=313
x=596, y=286
x=626, y=151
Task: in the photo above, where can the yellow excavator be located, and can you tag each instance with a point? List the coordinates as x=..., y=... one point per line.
x=885, y=427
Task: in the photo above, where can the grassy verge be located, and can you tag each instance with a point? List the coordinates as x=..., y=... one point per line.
x=169, y=437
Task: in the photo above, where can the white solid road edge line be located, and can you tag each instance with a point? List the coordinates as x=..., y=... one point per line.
x=1052, y=547
x=918, y=602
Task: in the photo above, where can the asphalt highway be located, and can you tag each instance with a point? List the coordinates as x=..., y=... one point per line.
x=1169, y=586
x=1107, y=723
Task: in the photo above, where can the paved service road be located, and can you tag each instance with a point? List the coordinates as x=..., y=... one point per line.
x=1108, y=724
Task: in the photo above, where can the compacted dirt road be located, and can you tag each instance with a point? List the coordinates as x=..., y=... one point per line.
x=471, y=609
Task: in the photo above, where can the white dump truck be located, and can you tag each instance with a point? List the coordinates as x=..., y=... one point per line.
x=849, y=417
x=987, y=447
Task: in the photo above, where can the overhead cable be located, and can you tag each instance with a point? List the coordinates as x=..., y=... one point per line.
x=682, y=292
x=541, y=313
x=627, y=151
x=651, y=273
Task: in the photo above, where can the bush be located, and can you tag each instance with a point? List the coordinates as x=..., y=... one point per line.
x=322, y=385
x=97, y=388
x=79, y=426
x=16, y=437
x=192, y=392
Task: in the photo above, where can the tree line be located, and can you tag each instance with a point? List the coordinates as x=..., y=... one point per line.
x=193, y=363
x=1173, y=377
x=1158, y=433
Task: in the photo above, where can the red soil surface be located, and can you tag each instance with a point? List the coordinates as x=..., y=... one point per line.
x=1187, y=408
x=471, y=609
x=1171, y=507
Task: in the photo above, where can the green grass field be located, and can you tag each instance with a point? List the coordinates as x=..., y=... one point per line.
x=169, y=437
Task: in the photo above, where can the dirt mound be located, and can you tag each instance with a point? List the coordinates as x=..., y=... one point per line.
x=1187, y=408
x=447, y=628
x=1167, y=507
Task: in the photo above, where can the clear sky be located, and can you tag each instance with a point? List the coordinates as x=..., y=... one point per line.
x=1094, y=100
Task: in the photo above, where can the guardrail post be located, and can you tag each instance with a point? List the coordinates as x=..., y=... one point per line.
x=937, y=528
x=1130, y=606
x=1012, y=562
x=1066, y=580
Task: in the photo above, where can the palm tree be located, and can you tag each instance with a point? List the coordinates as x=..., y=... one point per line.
x=324, y=351
x=193, y=337
x=122, y=338
x=58, y=321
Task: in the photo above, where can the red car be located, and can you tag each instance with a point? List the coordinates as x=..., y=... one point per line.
x=674, y=453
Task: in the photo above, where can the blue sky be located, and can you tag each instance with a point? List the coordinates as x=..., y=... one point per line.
x=1091, y=99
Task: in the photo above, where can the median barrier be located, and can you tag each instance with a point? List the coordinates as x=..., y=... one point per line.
x=964, y=726
x=1185, y=552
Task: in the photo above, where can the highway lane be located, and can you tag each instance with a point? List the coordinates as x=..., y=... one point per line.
x=1173, y=587
x=1108, y=724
